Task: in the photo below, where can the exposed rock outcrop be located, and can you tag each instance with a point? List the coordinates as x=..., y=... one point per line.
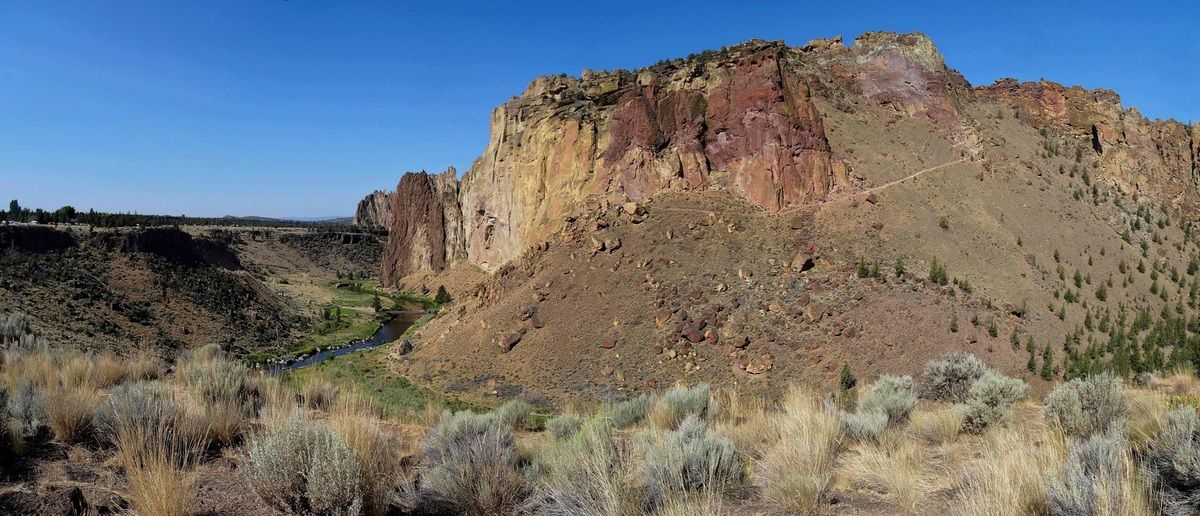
x=374, y=211
x=745, y=120
x=426, y=226
x=1154, y=158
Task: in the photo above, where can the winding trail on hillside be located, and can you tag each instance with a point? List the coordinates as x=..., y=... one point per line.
x=881, y=187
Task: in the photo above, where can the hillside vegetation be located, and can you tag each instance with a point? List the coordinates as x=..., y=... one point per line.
x=94, y=432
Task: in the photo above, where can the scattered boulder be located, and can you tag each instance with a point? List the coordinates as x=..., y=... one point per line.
x=511, y=341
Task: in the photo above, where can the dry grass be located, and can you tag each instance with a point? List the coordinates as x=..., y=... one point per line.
x=797, y=471
x=796, y=448
x=937, y=427
x=319, y=394
x=160, y=485
x=109, y=371
x=1010, y=475
x=157, y=459
x=747, y=423
x=145, y=365
x=78, y=372
x=705, y=503
x=226, y=421
x=70, y=412
x=900, y=474
x=39, y=366
x=356, y=420
x=1147, y=412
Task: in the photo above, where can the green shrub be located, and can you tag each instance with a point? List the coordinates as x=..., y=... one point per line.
x=990, y=400
x=585, y=474
x=564, y=425
x=515, y=413
x=950, y=378
x=1085, y=406
x=23, y=415
x=864, y=426
x=631, y=411
x=680, y=402
x=892, y=395
x=1173, y=462
x=299, y=467
x=686, y=460
x=216, y=380
x=470, y=465
x=1091, y=479
x=937, y=273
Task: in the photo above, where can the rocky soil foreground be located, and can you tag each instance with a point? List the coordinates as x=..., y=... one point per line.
x=704, y=218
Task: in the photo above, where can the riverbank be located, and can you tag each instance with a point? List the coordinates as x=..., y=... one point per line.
x=348, y=312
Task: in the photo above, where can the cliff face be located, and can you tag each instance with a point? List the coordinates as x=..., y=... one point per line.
x=425, y=227
x=1155, y=158
x=743, y=120
x=374, y=211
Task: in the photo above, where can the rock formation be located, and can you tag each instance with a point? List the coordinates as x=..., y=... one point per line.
x=374, y=211
x=1156, y=158
x=425, y=225
x=746, y=120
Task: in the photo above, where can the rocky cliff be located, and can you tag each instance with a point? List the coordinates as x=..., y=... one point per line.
x=374, y=211
x=747, y=120
x=1156, y=158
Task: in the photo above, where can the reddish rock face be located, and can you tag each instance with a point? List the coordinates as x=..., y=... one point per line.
x=417, y=241
x=1157, y=158
x=749, y=127
x=747, y=120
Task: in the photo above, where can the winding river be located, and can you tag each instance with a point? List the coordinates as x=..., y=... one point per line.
x=386, y=334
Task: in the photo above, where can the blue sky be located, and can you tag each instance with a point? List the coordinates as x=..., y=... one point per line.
x=300, y=108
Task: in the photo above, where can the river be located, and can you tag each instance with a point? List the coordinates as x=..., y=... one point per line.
x=386, y=334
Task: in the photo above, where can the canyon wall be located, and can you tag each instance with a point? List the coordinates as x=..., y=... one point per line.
x=1155, y=158
x=742, y=120
x=374, y=211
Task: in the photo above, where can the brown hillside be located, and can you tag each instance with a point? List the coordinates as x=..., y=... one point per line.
x=993, y=182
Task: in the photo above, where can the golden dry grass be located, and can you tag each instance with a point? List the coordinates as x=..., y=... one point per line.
x=160, y=484
x=145, y=365
x=747, y=423
x=705, y=503
x=937, y=426
x=39, y=366
x=157, y=459
x=319, y=393
x=78, y=372
x=357, y=421
x=1010, y=475
x=70, y=412
x=109, y=371
x=794, y=451
x=1147, y=412
x=796, y=472
x=899, y=473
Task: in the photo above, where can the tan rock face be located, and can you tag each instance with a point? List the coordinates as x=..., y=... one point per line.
x=374, y=211
x=743, y=120
x=904, y=71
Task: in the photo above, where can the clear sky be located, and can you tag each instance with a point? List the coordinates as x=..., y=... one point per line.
x=299, y=108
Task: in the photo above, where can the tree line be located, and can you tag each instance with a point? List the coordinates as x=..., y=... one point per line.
x=69, y=215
